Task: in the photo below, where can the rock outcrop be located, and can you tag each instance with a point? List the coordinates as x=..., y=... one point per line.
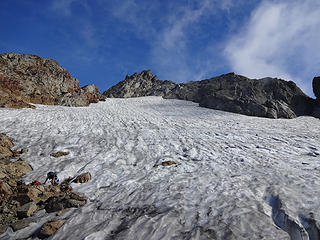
x=10, y=101
x=6, y=144
x=59, y=154
x=69, y=200
x=10, y=172
x=82, y=178
x=267, y=97
x=50, y=227
x=28, y=79
x=138, y=85
x=27, y=210
x=316, y=87
x=316, y=91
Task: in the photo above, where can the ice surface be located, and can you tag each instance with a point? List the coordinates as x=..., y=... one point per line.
x=229, y=167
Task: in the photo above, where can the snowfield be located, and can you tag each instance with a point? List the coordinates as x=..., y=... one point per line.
x=237, y=177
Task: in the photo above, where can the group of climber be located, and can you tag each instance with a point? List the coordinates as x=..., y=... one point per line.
x=52, y=176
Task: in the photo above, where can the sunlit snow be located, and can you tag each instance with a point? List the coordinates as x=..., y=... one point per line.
x=229, y=166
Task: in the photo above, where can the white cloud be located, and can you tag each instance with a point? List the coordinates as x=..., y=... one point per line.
x=174, y=35
x=281, y=39
x=167, y=28
x=138, y=16
x=170, y=51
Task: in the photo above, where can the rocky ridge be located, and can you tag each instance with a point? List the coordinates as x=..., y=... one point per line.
x=267, y=97
x=28, y=79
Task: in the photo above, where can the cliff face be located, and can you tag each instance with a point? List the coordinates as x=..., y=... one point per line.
x=268, y=97
x=30, y=79
x=316, y=87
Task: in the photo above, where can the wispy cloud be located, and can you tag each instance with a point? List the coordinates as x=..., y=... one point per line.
x=280, y=40
x=170, y=29
x=88, y=32
x=140, y=17
x=62, y=6
x=81, y=26
x=171, y=51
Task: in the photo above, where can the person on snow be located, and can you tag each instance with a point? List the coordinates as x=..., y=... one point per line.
x=52, y=176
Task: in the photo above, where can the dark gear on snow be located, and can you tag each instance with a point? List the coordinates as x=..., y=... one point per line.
x=53, y=177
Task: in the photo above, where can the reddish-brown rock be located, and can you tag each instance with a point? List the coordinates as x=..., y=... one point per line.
x=37, y=193
x=31, y=79
x=92, y=93
x=82, y=178
x=168, y=163
x=59, y=154
x=12, y=101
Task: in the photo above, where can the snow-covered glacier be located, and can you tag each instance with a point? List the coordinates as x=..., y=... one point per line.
x=237, y=177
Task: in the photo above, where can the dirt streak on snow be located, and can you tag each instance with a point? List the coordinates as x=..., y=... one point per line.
x=229, y=166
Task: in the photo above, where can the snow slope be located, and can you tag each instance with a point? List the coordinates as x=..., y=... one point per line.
x=237, y=176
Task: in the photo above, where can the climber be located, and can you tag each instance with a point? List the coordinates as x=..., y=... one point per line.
x=53, y=177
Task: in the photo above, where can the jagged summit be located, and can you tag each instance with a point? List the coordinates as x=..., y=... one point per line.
x=140, y=84
x=145, y=74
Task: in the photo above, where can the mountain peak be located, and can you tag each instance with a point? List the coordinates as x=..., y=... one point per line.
x=145, y=75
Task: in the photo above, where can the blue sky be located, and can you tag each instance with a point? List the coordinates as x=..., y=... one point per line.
x=100, y=41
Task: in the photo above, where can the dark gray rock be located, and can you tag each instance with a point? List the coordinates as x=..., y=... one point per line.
x=316, y=87
x=267, y=97
x=3, y=229
x=138, y=85
x=72, y=200
x=27, y=210
x=23, y=223
x=316, y=111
